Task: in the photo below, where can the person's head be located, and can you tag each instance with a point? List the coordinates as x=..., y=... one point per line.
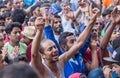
x=115, y=34
x=3, y=9
x=31, y=21
x=29, y=34
x=57, y=26
x=7, y=17
x=116, y=2
x=35, y=11
x=14, y=31
x=2, y=25
x=49, y=51
x=16, y=4
x=99, y=24
x=21, y=3
x=20, y=59
x=66, y=40
x=19, y=71
x=96, y=73
x=77, y=75
x=1, y=41
x=8, y=4
x=94, y=32
x=116, y=43
x=18, y=15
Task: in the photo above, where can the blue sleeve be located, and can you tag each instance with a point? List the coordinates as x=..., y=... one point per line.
x=50, y=35
x=86, y=44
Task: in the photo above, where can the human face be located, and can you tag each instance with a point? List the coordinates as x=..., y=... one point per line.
x=99, y=24
x=70, y=41
x=8, y=20
x=21, y=3
x=94, y=32
x=57, y=27
x=16, y=4
x=9, y=6
x=27, y=40
x=14, y=36
x=37, y=11
x=50, y=51
x=2, y=27
x=1, y=41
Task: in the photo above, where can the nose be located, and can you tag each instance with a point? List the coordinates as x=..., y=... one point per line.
x=18, y=34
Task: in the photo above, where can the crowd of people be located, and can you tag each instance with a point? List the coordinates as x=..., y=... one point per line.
x=59, y=38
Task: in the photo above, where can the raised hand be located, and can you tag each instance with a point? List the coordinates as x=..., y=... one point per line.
x=39, y=23
x=115, y=16
x=84, y=6
x=94, y=13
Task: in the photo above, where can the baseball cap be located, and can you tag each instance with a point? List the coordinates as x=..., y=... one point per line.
x=115, y=56
x=78, y=75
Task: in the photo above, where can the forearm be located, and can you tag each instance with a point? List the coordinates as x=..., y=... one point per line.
x=95, y=62
x=84, y=35
x=77, y=12
x=36, y=43
x=107, y=36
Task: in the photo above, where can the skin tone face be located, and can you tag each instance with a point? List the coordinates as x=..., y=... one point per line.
x=1, y=41
x=16, y=4
x=57, y=27
x=99, y=24
x=70, y=41
x=50, y=51
x=94, y=32
x=15, y=35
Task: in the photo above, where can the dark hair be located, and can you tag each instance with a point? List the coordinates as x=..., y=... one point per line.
x=9, y=28
x=20, y=58
x=57, y=16
x=116, y=43
x=2, y=6
x=46, y=3
x=62, y=38
x=38, y=4
x=6, y=1
x=6, y=14
x=18, y=15
x=19, y=71
x=2, y=17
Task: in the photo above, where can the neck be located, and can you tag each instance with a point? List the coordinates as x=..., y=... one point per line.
x=14, y=44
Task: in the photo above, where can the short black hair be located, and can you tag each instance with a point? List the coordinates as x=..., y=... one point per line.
x=57, y=16
x=19, y=71
x=6, y=1
x=2, y=17
x=18, y=15
x=38, y=4
x=63, y=36
x=9, y=28
x=20, y=58
x=6, y=14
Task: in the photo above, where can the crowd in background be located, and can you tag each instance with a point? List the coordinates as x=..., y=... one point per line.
x=59, y=38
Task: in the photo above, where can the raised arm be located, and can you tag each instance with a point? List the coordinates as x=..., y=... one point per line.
x=115, y=19
x=81, y=39
x=36, y=60
x=95, y=63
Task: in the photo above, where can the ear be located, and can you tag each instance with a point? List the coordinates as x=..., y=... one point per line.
x=64, y=47
x=43, y=56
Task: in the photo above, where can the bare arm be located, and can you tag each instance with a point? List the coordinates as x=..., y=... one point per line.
x=36, y=59
x=95, y=63
x=80, y=41
x=115, y=17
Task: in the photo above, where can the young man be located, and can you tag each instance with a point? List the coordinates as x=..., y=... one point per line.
x=15, y=47
x=49, y=64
